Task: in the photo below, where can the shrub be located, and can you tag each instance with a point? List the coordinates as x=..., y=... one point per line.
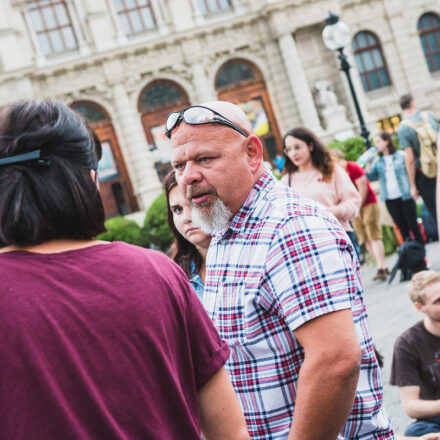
x=121, y=229
x=352, y=147
x=155, y=233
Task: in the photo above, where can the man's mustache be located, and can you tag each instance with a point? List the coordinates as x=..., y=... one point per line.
x=192, y=192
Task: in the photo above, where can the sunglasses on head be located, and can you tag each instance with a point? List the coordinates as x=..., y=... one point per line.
x=198, y=115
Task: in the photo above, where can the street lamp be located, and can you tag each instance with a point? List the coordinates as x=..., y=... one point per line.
x=336, y=36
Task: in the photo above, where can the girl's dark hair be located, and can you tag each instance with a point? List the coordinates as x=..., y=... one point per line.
x=182, y=251
x=321, y=158
x=388, y=138
x=59, y=200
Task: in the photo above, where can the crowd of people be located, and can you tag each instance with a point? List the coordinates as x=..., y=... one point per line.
x=110, y=341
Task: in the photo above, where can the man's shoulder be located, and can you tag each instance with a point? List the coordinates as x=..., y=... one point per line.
x=282, y=205
x=411, y=335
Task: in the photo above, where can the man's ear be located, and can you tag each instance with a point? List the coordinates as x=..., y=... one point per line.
x=418, y=306
x=254, y=152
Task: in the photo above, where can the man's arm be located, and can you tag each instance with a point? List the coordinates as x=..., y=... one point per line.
x=328, y=376
x=415, y=407
x=361, y=185
x=410, y=166
x=220, y=412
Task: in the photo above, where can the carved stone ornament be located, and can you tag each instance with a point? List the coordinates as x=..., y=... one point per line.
x=325, y=97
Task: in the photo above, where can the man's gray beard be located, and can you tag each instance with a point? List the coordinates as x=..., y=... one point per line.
x=210, y=220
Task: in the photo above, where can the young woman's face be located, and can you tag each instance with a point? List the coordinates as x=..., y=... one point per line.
x=381, y=145
x=298, y=151
x=181, y=210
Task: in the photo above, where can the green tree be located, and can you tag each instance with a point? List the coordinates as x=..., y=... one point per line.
x=352, y=147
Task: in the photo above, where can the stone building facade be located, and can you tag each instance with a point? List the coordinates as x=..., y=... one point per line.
x=125, y=64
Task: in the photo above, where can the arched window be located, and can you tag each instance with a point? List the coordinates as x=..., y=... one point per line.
x=160, y=95
x=53, y=26
x=370, y=61
x=429, y=32
x=235, y=73
x=91, y=112
x=135, y=16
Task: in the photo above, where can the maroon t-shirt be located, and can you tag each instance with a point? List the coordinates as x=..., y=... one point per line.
x=355, y=171
x=106, y=342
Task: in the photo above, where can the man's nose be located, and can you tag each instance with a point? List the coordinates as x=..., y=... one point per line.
x=191, y=174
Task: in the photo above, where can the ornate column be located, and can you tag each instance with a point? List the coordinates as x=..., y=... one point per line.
x=134, y=144
x=298, y=83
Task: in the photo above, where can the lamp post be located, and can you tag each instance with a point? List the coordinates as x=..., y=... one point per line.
x=336, y=36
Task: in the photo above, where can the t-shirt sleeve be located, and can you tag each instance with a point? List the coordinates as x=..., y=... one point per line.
x=433, y=120
x=355, y=171
x=209, y=352
x=405, y=368
x=407, y=138
x=310, y=271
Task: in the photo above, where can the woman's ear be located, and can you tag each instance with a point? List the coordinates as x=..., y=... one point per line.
x=94, y=176
x=311, y=146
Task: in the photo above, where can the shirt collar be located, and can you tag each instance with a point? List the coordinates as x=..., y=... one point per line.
x=259, y=190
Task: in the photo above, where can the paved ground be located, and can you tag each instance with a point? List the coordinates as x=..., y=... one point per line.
x=391, y=312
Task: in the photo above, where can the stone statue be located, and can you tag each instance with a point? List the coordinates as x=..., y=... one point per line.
x=325, y=96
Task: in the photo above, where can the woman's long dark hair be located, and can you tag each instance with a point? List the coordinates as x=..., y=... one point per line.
x=385, y=136
x=182, y=251
x=321, y=158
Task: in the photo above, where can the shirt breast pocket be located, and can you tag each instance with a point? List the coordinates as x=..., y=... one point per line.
x=230, y=314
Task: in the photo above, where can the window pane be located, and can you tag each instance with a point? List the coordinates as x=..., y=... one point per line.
x=69, y=38
x=224, y=4
x=37, y=21
x=371, y=39
x=368, y=60
x=360, y=40
x=364, y=83
x=374, y=80
x=358, y=62
x=432, y=45
x=234, y=73
x=118, y=5
x=130, y=4
x=148, y=18
x=436, y=63
x=142, y=2
x=384, y=79
x=424, y=45
x=212, y=5
x=92, y=114
x=430, y=65
x=377, y=56
x=160, y=96
x=49, y=18
x=125, y=25
x=136, y=21
x=44, y=44
x=61, y=14
x=55, y=39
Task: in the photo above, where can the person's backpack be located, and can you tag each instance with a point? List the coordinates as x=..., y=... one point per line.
x=411, y=260
x=428, y=147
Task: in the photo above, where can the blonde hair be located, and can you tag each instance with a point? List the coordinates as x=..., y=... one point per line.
x=337, y=153
x=418, y=282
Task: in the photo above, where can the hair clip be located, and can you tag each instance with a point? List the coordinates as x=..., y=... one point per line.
x=32, y=158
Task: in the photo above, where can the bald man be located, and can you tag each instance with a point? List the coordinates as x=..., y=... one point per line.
x=282, y=287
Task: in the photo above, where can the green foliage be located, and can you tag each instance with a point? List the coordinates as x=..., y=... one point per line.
x=389, y=239
x=155, y=233
x=352, y=147
x=121, y=229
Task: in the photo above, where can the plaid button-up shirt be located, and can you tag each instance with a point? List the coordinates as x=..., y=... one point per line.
x=283, y=261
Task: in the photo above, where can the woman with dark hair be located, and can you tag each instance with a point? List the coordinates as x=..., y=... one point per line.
x=311, y=172
x=389, y=168
x=99, y=340
x=190, y=244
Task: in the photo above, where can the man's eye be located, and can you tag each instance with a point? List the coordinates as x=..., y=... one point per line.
x=204, y=159
x=178, y=166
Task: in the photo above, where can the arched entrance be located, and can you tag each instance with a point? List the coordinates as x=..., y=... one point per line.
x=115, y=186
x=240, y=82
x=156, y=100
